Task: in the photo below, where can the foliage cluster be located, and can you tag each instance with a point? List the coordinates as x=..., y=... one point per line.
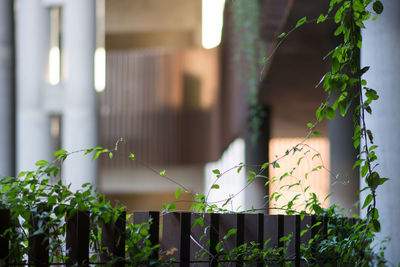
x=38, y=206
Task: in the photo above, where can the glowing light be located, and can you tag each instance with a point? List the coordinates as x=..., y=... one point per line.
x=212, y=21
x=100, y=69
x=54, y=65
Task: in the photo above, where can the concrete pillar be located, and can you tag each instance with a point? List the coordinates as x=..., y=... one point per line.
x=344, y=181
x=257, y=153
x=79, y=117
x=6, y=88
x=381, y=51
x=33, y=124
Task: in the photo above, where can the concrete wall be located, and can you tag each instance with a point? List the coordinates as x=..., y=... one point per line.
x=381, y=52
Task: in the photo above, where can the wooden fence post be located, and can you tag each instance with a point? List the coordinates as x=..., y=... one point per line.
x=228, y=222
x=77, y=240
x=270, y=231
x=290, y=229
x=4, y=240
x=254, y=230
x=154, y=228
x=113, y=239
x=38, y=243
x=176, y=237
x=201, y=237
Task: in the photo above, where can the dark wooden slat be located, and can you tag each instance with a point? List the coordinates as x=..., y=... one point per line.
x=270, y=231
x=77, y=239
x=305, y=224
x=202, y=235
x=290, y=229
x=320, y=230
x=254, y=230
x=38, y=243
x=297, y=241
x=113, y=239
x=4, y=225
x=154, y=228
x=228, y=222
x=199, y=251
x=176, y=237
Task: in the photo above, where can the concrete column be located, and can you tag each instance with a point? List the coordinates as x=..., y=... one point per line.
x=257, y=153
x=33, y=125
x=79, y=126
x=344, y=180
x=6, y=88
x=381, y=51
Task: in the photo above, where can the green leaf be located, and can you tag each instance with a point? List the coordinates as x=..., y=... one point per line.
x=357, y=163
x=171, y=207
x=322, y=18
x=378, y=7
x=97, y=154
x=318, y=114
x=301, y=21
x=87, y=151
x=317, y=209
x=41, y=163
x=338, y=15
x=330, y=113
x=303, y=232
x=283, y=34
x=59, y=152
x=382, y=180
x=239, y=169
x=339, y=30
x=216, y=171
x=370, y=136
x=342, y=108
x=364, y=70
x=215, y=186
x=367, y=200
x=178, y=192
x=230, y=232
x=375, y=225
x=275, y=164
x=252, y=172
x=373, y=180
x=265, y=165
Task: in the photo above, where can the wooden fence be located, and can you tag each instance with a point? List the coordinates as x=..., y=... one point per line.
x=178, y=237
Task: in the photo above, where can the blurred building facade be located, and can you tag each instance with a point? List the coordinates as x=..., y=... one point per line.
x=176, y=104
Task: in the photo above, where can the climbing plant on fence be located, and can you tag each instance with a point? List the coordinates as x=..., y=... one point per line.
x=37, y=206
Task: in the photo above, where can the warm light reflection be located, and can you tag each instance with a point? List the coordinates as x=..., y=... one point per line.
x=100, y=69
x=307, y=177
x=212, y=21
x=54, y=65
